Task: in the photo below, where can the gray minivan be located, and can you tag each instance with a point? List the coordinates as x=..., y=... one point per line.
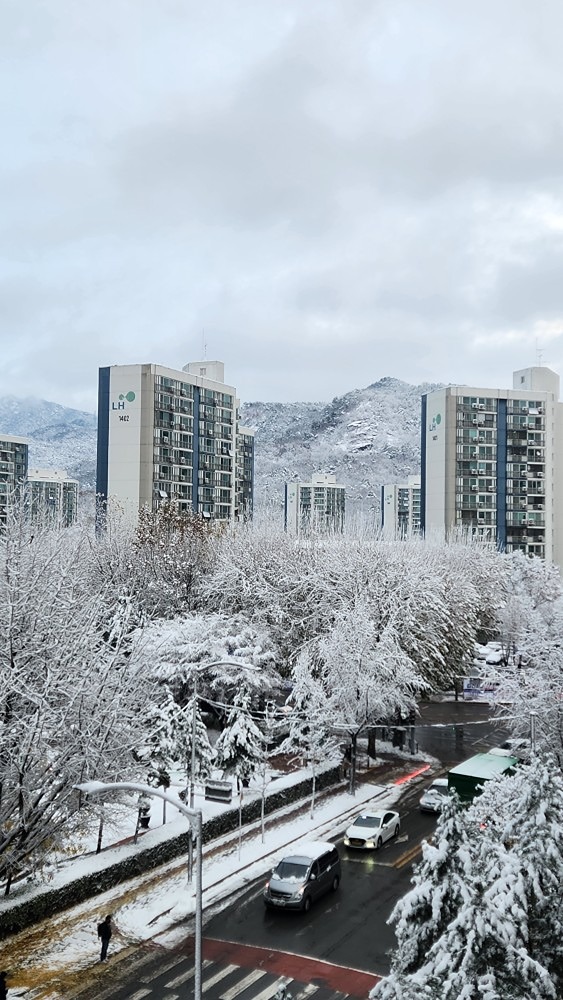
x=303, y=876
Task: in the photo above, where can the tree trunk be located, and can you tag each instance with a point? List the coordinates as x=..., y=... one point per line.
x=100, y=832
x=353, y=749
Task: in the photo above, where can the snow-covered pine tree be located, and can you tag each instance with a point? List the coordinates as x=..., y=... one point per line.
x=182, y=730
x=156, y=755
x=239, y=751
x=484, y=949
x=525, y=814
x=424, y=913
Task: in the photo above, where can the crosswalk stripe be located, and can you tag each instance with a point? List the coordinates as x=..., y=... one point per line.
x=139, y=995
x=271, y=990
x=307, y=991
x=218, y=977
x=182, y=978
x=248, y=980
x=162, y=968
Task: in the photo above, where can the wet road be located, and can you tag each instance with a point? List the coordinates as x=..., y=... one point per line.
x=454, y=731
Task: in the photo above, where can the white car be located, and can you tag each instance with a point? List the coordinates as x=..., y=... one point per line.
x=433, y=798
x=371, y=829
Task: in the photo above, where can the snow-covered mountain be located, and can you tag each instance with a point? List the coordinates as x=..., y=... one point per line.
x=60, y=438
x=365, y=438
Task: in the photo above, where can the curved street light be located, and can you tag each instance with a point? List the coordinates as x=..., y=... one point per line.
x=196, y=822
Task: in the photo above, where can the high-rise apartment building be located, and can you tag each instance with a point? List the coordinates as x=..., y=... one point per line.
x=400, y=508
x=53, y=496
x=492, y=462
x=173, y=435
x=13, y=469
x=318, y=505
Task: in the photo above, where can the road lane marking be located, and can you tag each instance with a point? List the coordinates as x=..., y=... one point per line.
x=307, y=991
x=218, y=977
x=271, y=990
x=407, y=856
x=162, y=969
x=248, y=980
x=185, y=976
x=140, y=994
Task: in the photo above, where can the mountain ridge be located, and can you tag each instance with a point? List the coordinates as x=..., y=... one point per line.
x=365, y=438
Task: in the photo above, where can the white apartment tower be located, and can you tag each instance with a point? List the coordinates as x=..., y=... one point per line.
x=490, y=463
x=165, y=434
x=53, y=496
x=400, y=508
x=318, y=505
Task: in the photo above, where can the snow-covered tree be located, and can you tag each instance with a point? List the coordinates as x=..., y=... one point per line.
x=438, y=596
x=157, y=752
x=524, y=813
x=309, y=734
x=239, y=751
x=489, y=925
x=68, y=703
x=185, y=749
x=357, y=675
x=532, y=681
x=222, y=650
x=158, y=562
x=423, y=915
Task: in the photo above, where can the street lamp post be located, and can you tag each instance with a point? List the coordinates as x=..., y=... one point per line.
x=196, y=823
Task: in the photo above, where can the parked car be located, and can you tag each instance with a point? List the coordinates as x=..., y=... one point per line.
x=371, y=829
x=301, y=877
x=432, y=799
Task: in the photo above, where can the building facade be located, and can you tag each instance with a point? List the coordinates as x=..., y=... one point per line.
x=490, y=461
x=53, y=496
x=13, y=469
x=165, y=434
x=318, y=505
x=400, y=508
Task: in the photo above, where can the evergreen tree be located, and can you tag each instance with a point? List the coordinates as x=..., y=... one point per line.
x=182, y=728
x=526, y=817
x=239, y=751
x=423, y=915
x=157, y=753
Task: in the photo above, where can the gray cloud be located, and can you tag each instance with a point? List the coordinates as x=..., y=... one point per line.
x=323, y=194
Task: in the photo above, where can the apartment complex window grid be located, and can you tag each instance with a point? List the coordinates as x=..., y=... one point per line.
x=167, y=436
x=400, y=508
x=13, y=471
x=319, y=505
x=173, y=441
x=500, y=480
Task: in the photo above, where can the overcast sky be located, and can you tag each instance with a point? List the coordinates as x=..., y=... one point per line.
x=321, y=192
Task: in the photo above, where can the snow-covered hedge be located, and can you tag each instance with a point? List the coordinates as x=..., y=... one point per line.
x=17, y=914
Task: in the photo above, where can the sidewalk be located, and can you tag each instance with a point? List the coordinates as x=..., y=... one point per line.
x=59, y=958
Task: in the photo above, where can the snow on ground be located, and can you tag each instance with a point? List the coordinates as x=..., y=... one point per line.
x=156, y=905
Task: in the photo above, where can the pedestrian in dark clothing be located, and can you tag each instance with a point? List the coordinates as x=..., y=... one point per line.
x=3, y=986
x=104, y=933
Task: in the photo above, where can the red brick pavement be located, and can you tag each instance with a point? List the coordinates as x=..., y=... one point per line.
x=281, y=963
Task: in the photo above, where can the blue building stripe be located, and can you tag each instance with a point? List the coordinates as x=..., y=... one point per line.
x=423, y=421
x=103, y=435
x=195, y=469
x=502, y=432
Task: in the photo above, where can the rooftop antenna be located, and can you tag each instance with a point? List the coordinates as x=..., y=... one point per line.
x=203, y=346
x=539, y=354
